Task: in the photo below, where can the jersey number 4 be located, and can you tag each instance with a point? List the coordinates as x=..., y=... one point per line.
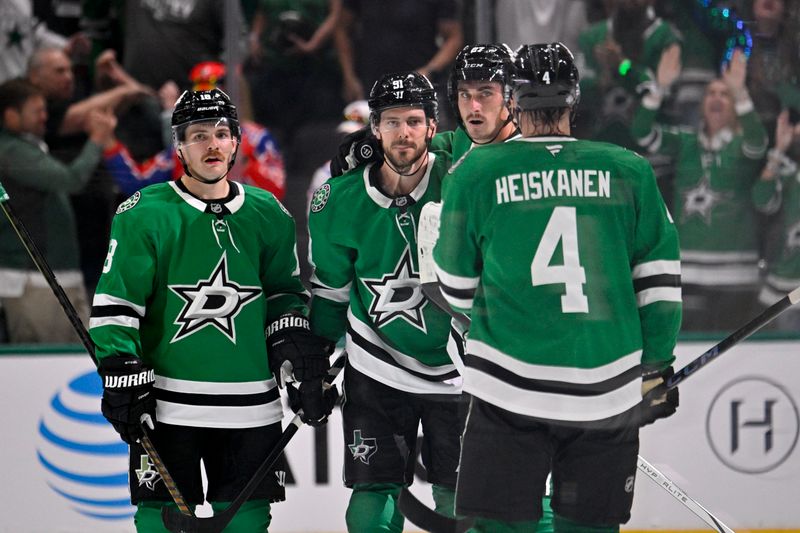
x=562, y=227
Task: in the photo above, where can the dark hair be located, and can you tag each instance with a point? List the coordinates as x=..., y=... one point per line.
x=14, y=93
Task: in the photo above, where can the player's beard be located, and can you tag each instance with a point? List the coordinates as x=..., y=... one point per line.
x=404, y=165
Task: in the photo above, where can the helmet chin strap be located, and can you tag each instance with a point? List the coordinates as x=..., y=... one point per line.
x=508, y=119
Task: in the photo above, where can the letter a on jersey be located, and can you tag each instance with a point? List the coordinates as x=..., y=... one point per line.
x=215, y=301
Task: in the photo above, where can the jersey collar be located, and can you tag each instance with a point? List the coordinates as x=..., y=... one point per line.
x=233, y=203
x=545, y=139
x=385, y=201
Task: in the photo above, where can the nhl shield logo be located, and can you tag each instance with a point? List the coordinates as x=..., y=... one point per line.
x=320, y=198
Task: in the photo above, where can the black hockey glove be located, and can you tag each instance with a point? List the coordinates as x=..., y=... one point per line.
x=661, y=406
x=128, y=398
x=315, y=399
x=295, y=354
x=356, y=149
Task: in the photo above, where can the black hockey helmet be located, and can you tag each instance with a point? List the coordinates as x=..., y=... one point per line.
x=202, y=106
x=402, y=89
x=545, y=76
x=480, y=62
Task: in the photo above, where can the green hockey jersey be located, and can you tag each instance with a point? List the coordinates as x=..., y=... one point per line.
x=455, y=142
x=566, y=258
x=189, y=286
x=783, y=274
x=365, y=283
x=712, y=201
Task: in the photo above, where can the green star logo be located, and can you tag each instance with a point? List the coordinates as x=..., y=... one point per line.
x=15, y=37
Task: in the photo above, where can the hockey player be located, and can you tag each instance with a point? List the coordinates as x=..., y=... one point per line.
x=366, y=286
x=566, y=258
x=476, y=90
x=196, y=270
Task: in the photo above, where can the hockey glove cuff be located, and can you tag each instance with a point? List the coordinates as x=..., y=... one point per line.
x=295, y=354
x=358, y=148
x=128, y=398
x=661, y=406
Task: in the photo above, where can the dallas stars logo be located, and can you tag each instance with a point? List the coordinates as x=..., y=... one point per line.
x=398, y=295
x=793, y=237
x=146, y=473
x=701, y=200
x=215, y=302
x=15, y=37
x=361, y=448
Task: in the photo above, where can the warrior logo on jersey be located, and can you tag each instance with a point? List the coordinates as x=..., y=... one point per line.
x=215, y=302
x=146, y=473
x=398, y=294
x=362, y=448
x=129, y=203
x=320, y=198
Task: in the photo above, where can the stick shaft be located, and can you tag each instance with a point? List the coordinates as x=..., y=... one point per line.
x=676, y=492
x=72, y=315
x=732, y=340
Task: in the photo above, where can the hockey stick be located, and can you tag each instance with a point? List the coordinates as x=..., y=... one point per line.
x=430, y=520
x=668, y=485
x=728, y=342
x=86, y=340
x=180, y=523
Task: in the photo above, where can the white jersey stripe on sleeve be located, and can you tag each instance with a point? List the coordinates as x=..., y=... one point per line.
x=118, y=320
x=658, y=294
x=107, y=299
x=654, y=268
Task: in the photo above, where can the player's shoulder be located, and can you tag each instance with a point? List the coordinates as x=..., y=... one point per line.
x=613, y=156
x=442, y=141
x=341, y=189
x=148, y=199
x=262, y=201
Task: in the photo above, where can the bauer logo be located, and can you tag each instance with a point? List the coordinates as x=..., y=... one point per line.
x=83, y=458
x=753, y=425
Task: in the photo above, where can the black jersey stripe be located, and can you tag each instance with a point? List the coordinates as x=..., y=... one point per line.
x=553, y=387
x=100, y=311
x=659, y=280
x=218, y=400
x=379, y=353
x=459, y=340
x=460, y=294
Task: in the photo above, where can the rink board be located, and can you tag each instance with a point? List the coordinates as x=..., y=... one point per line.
x=732, y=446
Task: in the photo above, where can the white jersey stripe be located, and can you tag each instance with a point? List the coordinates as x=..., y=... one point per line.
x=655, y=268
x=393, y=376
x=209, y=387
x=107, y=299
x=406, y=361
x=124, y=321
x=219, y=416
x=457, y=282
x=658, y=294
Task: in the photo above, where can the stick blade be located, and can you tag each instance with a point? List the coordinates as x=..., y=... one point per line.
x=427, y=518
x=177, y=522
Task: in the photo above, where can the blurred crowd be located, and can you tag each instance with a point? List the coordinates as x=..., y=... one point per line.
x=707, y=90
